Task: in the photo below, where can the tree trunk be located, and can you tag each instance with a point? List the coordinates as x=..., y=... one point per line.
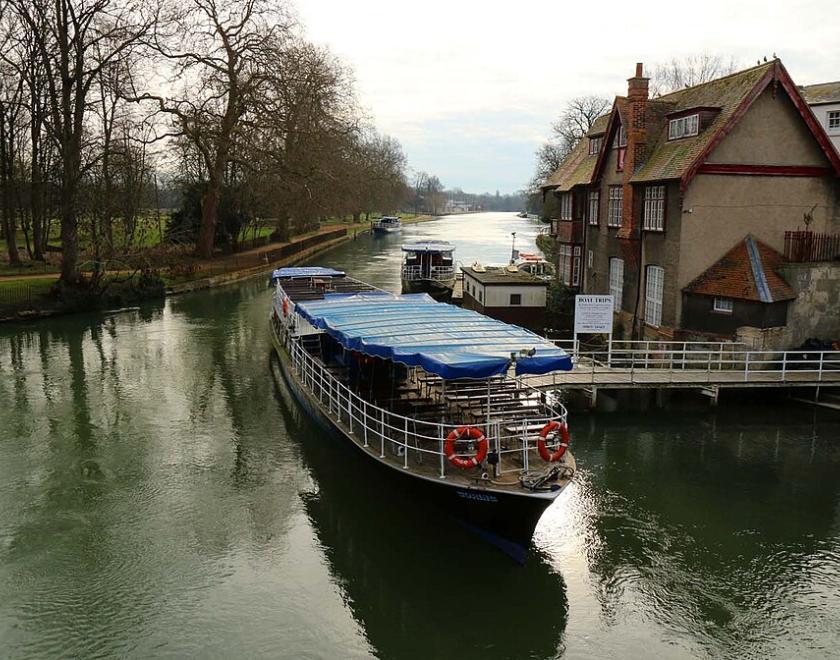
x=9, y=225
x=357, y=216
x=209, y=213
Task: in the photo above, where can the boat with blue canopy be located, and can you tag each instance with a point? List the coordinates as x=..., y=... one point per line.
x=431, y=392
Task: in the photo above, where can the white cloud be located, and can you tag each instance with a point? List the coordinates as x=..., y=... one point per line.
x=422, y=65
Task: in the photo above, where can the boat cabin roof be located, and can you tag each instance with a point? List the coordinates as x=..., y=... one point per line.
x=388, y=218
x=416, y=330
x=429, y=246
x=296, y=272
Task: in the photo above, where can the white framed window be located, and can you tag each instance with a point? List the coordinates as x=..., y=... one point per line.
x=565, y=265
x=595, y=145
x=617, y=282
x=622, y=137
x=723, y=305
x=654, y=286
x=683, y=127
x=576, y=267
x=616, y=201
x=589, y=259
x=516, y=299
x=594, y=201
x=654, y=208
x=833, y=120
x=566, y=206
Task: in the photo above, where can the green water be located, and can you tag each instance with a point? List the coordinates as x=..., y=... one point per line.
x=161, y=496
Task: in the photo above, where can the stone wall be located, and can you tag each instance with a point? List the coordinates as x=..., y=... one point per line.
x=816, y=310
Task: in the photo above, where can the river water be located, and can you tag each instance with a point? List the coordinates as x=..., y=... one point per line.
x=161, y=496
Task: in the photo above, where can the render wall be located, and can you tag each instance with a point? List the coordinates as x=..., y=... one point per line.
x=821, y=111
x=770, y=133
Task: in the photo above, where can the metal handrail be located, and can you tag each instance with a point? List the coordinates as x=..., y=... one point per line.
x=369, y=422
x=628, y=359
x=437, y=273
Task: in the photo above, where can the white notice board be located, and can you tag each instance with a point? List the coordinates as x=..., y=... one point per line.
x=593, y=314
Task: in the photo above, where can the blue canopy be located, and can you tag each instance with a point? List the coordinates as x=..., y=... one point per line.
x=305, y=271
x=415, y=330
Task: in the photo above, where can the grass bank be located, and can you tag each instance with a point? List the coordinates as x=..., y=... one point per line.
x=28, y=294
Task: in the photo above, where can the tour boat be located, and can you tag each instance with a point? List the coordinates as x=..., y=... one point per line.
x=431, y=393
x=386, y=225
x=428, y=268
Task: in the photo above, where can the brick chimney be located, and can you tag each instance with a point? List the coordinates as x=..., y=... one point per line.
x=636, y=153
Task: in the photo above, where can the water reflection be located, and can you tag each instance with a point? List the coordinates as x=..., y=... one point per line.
x=721, y=531
x=419, y=585
x=484, y=237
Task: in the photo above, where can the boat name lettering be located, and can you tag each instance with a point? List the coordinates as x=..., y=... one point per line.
x=481, y=497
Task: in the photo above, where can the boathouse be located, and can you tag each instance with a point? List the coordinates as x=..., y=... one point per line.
x=506, y=294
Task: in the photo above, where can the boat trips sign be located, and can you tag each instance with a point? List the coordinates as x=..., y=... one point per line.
x=593, y=314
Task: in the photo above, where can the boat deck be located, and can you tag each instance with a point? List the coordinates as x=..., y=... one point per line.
x=405, y=425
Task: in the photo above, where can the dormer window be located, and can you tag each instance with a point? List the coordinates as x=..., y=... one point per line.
x=595, y=145
x=683, y=127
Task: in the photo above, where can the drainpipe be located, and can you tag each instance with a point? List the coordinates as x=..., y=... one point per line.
x=637, y=334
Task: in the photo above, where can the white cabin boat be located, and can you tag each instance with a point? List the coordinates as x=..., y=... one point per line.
x=387, y=224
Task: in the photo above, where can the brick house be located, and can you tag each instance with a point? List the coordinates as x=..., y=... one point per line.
x=665, y=187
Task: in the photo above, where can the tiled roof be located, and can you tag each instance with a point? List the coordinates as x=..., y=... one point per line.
x=578, y=166
x=746, y=272
x=670, y=160
x=828, y=92
x=599, y=125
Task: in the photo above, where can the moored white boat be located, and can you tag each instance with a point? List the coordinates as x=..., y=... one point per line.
x=429, y=392
x=428, y=267
x=387, y=224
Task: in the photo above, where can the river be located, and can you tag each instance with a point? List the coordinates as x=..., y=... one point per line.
x=161, y=496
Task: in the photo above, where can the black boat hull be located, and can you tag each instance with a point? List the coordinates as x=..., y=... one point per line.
x=439, y=290
x=505, y=520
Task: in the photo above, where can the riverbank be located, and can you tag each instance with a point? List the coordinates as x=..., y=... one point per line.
x=26, y=297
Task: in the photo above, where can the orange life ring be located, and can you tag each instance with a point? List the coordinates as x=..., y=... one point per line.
x=285, y=306
x=478, y=439
x=551, y=457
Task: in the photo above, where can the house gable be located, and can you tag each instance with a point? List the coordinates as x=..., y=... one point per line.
x=771, y=132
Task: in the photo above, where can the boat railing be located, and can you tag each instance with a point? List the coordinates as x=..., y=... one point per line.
x=418, y=443
x=437, y=273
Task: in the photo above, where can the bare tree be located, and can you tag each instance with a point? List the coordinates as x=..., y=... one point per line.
x=574, y=123
x=679, y=73
x=74, y=41
x=221, y=54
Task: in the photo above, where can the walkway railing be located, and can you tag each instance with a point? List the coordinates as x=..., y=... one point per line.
x=652, y=362
x=415, y=442
x=437, y=273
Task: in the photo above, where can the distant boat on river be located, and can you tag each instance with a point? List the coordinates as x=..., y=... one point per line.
x=387, y=224
x=430, y=393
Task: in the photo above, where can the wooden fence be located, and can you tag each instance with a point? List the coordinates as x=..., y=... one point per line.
x=807, y=246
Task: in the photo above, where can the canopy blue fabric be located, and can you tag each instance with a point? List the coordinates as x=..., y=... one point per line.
x=415, y=330
x=305, y=271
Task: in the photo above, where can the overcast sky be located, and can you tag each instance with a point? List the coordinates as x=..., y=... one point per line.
x=471, y=88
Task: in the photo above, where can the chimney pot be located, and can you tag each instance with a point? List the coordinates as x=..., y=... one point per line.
x=639, y=70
